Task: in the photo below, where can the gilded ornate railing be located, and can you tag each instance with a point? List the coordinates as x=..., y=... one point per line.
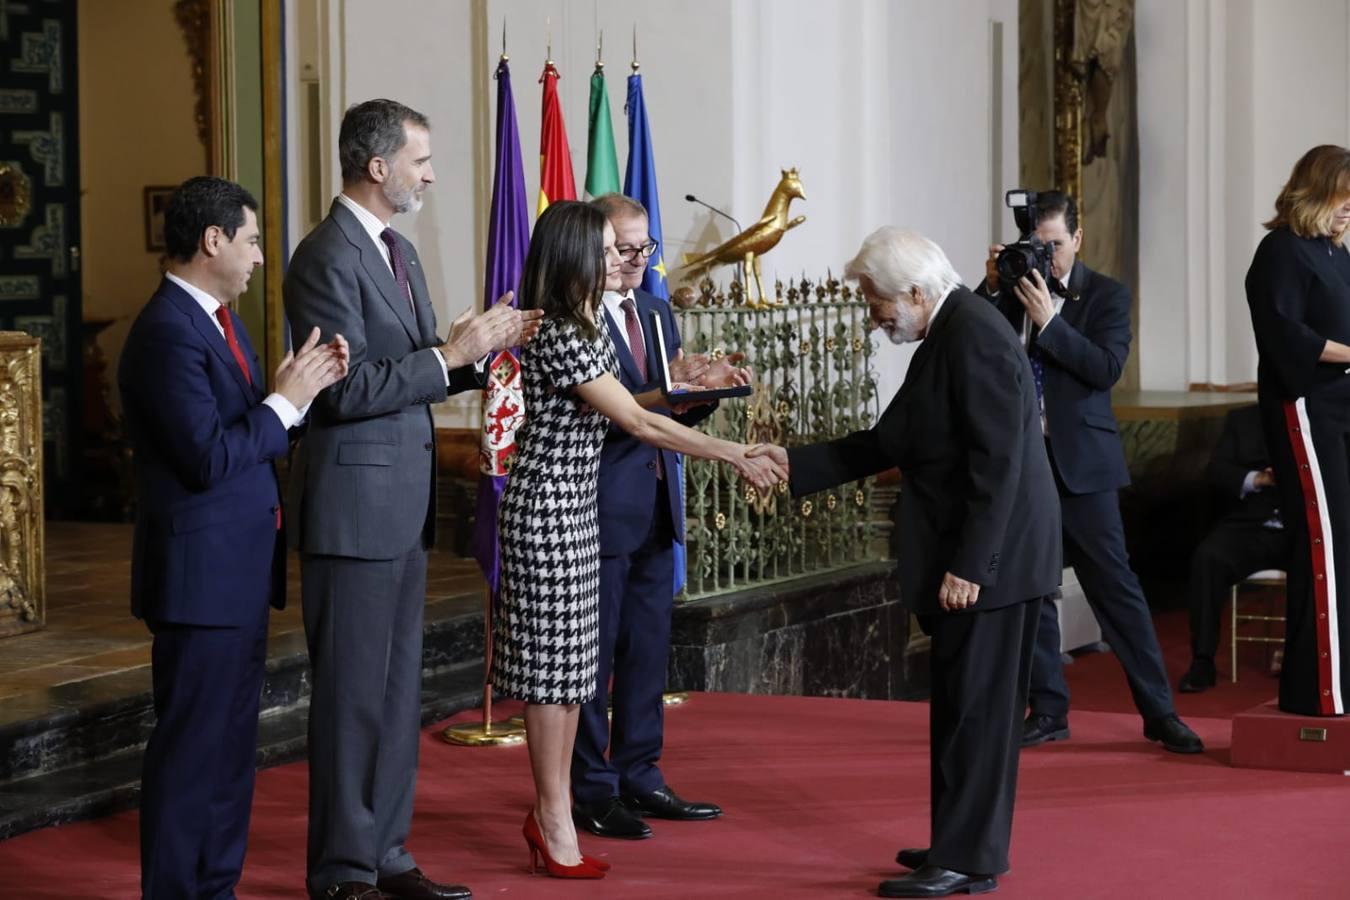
x=813, y=380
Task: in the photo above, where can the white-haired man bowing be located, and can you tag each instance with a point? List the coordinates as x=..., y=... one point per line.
x=980, y=539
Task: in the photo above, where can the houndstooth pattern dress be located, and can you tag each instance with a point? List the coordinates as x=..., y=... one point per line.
x=548, y=624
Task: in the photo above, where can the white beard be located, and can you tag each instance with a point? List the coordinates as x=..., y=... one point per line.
x=909, y=325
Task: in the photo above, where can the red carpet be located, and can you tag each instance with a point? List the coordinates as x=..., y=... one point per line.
x=820, y=793
x=1097, y=682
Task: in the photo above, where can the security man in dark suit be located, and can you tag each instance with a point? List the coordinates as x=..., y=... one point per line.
x=1249, y=538
x=208, y=554
x=1077, y=337
x=980, y=532
x=641, y=515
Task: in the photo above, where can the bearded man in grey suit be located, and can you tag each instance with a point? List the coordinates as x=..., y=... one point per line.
x=363, y=493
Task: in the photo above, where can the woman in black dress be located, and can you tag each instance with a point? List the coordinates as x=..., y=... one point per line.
x=547, y=631
x=1298, y=289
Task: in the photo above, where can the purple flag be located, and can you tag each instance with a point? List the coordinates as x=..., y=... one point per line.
x=504, y=397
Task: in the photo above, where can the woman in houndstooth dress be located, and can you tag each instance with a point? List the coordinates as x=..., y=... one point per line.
x=547, y=630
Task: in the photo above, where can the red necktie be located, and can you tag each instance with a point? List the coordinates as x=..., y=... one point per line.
x=227, y=324
x=635, y=345
x=639, y=351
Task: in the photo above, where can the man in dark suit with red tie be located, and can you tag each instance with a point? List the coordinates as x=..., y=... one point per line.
x=208, y=553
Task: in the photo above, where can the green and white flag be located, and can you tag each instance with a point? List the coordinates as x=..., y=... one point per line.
x=602, y=164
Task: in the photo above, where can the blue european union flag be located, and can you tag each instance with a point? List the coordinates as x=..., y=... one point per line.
x=639, y=182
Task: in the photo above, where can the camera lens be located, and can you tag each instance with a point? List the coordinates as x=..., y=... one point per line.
x=1013, y=263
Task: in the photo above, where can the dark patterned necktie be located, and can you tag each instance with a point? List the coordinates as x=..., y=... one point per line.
x=399, y=265
x=635, y=345
x=639, y=351
x=1037, y=359
x=227, y=325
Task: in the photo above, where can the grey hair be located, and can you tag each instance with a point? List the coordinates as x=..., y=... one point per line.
x=894, y=260
x=370, y=129
x=615, y=204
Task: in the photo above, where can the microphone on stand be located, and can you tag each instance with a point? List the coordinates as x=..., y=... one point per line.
x=692, y=199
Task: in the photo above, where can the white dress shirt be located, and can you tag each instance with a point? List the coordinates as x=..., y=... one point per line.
x=285, y=410
x=374, y=227
x=613, y=301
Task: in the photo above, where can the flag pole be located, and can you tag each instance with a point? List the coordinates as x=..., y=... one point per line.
x=487, y=733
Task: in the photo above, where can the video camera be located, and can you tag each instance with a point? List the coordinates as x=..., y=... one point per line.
x=1018, y=260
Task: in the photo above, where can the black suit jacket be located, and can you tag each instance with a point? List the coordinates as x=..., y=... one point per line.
x=1084, y=349
x=977, y=495
x=1242, y=449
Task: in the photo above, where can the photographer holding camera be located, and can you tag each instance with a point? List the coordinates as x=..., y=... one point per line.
x=1075, y=324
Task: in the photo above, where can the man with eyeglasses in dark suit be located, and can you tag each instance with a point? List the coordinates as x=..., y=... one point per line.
x=641, y=518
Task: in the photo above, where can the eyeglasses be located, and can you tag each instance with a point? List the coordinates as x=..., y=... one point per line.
x=632, y=253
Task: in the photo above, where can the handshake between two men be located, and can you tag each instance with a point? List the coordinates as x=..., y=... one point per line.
x=956, y=593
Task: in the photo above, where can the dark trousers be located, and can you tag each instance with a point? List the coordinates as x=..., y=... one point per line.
x=1233, y=549
x=1094, y=544
x=1309, y=442
x=635, y=610
x=197, y=778
x=363, y=624
x=981, y=668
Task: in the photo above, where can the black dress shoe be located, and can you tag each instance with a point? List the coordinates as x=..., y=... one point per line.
x=663, y=803
x=1201, y=676
x=610, y=818
x=912, y=858
x=1174, y=734
x=413, y=885
x=933, y=881
x=352, y=890
x=1040, y=729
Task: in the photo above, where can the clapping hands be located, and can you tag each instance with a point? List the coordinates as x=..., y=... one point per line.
x=474, y=335
x=302, y=374
x=726, y=371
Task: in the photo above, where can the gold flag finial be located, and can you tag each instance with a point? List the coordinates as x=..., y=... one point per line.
x=548, y=37
x=635, y=62
x=600, y=51
x=505, y=58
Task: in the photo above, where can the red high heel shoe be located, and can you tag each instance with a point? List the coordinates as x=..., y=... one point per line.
x=591, y=861
x=534, y=839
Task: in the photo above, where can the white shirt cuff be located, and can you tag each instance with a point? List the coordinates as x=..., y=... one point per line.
x=444, y=370
x=285, y=410
x=1248, y=485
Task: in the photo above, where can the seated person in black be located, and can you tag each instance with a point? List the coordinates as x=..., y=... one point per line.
x=1248, y=538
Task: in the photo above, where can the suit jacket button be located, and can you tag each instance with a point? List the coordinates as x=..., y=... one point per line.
x=652, y=464
x=429, y=445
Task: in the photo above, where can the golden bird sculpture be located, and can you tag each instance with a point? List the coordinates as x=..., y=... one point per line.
x=752, y=243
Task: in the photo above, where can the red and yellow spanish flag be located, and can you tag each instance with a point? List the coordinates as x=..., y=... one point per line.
x=555, y=159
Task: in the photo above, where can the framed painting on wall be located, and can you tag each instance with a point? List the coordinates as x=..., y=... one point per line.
x=155, y=199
